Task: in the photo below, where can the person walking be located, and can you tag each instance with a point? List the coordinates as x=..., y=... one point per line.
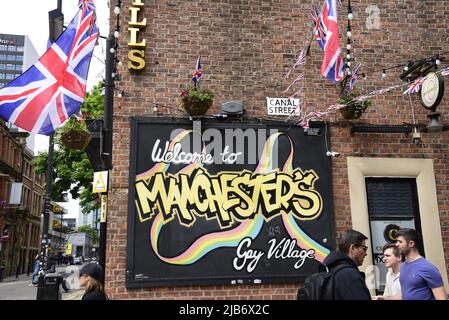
x=90, y=277
x=420, y=280
x=349, y=282
x=392, y=260
x=35, y=274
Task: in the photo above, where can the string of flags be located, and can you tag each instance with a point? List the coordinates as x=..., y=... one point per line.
x=325, y=33
x=298, y=79
x=411, y=88
x=415, y=86
x=299, y=62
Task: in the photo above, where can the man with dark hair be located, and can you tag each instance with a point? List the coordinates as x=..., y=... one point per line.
x=392, y=260
x=420, y=280
x=349, y=282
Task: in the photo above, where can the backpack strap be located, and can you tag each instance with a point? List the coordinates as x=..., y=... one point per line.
x=334, y=271
x=339, y=267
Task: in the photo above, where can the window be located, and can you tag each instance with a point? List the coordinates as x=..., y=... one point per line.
x=19, y=58
x=9, y=76
x=18, y=67
x=2, y=47
x=9, y=66
x=11, y=57
x=3, y=66
x=19, y=48
x=12, y=48
x=2, y=56
x=392, y=204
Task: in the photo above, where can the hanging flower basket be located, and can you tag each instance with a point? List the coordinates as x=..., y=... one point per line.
x=354, y=109
x=75, y=138
x=196, y=101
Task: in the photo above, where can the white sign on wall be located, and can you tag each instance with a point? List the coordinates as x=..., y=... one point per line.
x=383, y=232
x=283, y=106
x=16, y=193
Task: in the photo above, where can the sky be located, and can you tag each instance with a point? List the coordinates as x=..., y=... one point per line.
x=30, y=17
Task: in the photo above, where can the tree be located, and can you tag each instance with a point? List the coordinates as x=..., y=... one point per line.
x=72, y=171
x=90, y=231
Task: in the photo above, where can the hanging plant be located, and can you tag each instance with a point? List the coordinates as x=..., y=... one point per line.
x=74, y=134
x=196, y=101
x=354, y=108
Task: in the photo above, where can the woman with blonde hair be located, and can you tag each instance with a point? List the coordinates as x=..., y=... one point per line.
x=90, y=277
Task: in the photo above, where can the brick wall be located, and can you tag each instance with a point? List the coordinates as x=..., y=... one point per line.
x=247, y=47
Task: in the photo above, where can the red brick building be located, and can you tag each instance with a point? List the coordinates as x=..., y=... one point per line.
x=19, y=223
x=247, y=47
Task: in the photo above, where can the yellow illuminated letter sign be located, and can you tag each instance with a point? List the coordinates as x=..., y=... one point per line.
x=136, y=56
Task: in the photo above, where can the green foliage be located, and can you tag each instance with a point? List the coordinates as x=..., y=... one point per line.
x=72, y=171
x=354, y=109
x=90, y=231
x=72, y=124
x=74, y=134
x=196, y=100
x=200, y=94
x=92, y=107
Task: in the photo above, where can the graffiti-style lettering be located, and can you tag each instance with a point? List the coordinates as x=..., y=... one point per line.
x=229, y=196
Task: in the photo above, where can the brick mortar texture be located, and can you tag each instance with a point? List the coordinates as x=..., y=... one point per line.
x=247, y=47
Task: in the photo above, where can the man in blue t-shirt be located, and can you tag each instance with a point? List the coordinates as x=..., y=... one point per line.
x=420, y=280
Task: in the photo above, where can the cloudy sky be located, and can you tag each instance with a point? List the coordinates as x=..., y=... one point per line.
x=30, y=17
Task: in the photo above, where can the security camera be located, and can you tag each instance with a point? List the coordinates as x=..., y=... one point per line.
x=333, y=154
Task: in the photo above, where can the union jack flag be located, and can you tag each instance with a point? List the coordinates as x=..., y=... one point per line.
x=415, y=86
x=196, y=77
x=354, y=76
x=51, y=90
x=326, y=33
x=319, y=28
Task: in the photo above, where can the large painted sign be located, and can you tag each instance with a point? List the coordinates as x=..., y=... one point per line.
x=214, y=203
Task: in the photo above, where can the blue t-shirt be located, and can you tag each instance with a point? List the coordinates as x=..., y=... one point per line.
x=418, y=278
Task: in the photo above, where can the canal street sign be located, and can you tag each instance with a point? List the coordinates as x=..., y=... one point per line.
x=283, y=107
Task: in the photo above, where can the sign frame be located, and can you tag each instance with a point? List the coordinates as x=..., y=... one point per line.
x=132, y=277
x=279, y=110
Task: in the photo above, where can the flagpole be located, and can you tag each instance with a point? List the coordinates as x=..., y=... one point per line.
x=56, y=21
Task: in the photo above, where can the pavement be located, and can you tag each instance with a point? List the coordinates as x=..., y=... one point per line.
x=19, y=288
x=21, y=277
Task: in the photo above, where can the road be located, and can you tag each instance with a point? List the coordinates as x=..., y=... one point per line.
x=19, y=289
